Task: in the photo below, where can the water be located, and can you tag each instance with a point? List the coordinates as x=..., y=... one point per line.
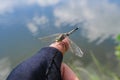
x=23, y=22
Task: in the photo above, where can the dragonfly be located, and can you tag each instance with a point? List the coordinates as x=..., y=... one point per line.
x=74, y=48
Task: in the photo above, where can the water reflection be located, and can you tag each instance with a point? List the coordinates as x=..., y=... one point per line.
x=102, y=18
x=22, y=22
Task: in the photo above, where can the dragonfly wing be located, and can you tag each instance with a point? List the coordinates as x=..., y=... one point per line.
x=75, y=49
x=49, y=38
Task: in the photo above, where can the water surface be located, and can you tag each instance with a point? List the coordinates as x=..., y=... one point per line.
x=23, y=22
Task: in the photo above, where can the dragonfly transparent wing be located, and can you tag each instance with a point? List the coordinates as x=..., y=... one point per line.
x=49, y=38
x=75, y=49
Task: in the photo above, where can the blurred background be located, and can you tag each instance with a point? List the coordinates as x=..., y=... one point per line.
x=22, y=22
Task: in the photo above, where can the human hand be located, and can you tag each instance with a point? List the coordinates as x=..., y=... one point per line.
x=67, y=73
x=62, y=46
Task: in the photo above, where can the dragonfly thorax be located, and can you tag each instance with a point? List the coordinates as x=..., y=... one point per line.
x=61, y=37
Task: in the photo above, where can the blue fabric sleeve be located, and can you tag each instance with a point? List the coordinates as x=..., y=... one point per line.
x=35, y=67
